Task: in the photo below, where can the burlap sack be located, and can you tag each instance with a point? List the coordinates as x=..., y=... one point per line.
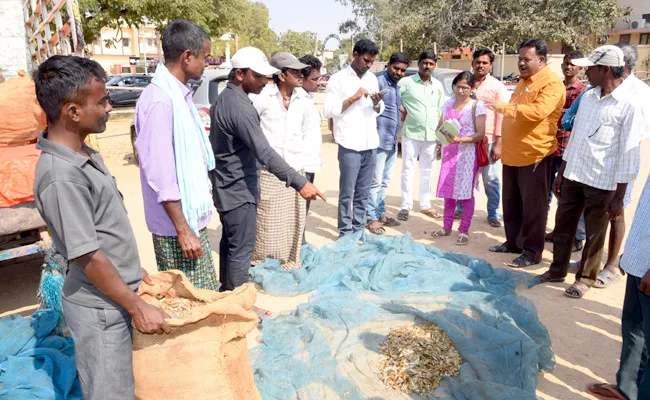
x=205, y=356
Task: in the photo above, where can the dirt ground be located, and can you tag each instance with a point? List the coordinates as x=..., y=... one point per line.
x=585, y=333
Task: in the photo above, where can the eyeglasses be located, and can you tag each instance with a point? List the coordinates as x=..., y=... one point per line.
x=462, y=88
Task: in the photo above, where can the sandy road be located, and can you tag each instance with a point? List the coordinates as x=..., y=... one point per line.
x=585, y=333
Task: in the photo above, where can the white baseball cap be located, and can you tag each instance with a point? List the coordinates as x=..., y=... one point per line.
x=254, y=59
x=608, y=56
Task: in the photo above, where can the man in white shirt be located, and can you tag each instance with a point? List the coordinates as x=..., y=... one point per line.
x=353, y=101
x=313, y=139
x=599, y=162
x=281, y=211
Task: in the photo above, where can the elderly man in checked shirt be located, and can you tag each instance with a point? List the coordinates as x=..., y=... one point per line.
x=599, y=162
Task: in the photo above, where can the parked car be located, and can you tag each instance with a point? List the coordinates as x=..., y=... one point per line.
x=125, y=90
x=322, y=82
x=206, y=90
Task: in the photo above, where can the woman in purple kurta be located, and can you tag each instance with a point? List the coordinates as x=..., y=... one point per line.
x=459, y=169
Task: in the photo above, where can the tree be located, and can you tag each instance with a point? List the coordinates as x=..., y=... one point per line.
x=214, y=15
x=474, y=23
x=298, y=43
x=252, y=27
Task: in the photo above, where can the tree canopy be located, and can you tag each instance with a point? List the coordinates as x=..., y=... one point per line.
x=473, y=23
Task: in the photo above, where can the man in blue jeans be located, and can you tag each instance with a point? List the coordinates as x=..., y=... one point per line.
x=488, y=87
x=388, y=126
x=632, y=378
x=354, y=102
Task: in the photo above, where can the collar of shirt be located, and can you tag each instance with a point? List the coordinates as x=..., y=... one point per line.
x=239, y=92
x=543, y=73
x=619, y=94
x=388, y=79
x=577, y=84
x=64, y=152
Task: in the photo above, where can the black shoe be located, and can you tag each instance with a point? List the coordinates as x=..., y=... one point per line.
x=522, y=261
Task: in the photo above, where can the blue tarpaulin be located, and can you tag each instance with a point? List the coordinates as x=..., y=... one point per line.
x=328, y=347
x=35, y=362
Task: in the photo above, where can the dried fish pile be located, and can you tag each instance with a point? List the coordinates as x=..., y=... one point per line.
x=179, y=307
x=414, y=358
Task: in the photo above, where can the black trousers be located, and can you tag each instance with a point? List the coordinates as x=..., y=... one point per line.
x=237, y=245
x=525, y=207
x=575, y=198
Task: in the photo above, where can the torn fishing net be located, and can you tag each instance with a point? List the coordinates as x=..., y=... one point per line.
x=328, y=348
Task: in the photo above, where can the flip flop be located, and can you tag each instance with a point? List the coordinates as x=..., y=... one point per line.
x=440, y=233
x=547, y=278
x=389, y=222
x=376, y=231
x=494, y=223
x=463, y=239
x=577, y=290
x=606, y=278
x=503, y=249
x=604, y=391
x=403, y=215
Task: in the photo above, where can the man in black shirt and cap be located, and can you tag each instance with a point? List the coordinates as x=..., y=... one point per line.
x=240, y=149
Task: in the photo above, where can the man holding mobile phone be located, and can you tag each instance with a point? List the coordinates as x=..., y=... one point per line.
x=353, y=101
x=389, y=124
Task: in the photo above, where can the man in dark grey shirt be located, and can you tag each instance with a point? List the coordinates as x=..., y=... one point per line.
x=240, y=148
x=83, y=209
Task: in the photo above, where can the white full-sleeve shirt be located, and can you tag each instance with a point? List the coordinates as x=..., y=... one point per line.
x=356, y=127
x=284, y=128
x=313, y=138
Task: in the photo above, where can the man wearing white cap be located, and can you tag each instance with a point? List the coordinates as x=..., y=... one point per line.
x=284, y=111
x=599, y=162
x=240, y=148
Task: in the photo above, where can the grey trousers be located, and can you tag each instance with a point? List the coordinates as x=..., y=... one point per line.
x=103, y=351
x=357, y=168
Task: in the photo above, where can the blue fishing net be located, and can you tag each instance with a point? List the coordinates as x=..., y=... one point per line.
x=36, y=363
x=328, y=347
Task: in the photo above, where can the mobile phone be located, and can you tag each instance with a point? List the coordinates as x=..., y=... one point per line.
x=384, y=92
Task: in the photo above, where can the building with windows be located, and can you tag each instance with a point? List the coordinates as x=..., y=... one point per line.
x=119, y=50
x=636, y=31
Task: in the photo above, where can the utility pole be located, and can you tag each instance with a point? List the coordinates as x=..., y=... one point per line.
x=503, y=59
x=401, y=45
x=144, y=38
x=316, y=45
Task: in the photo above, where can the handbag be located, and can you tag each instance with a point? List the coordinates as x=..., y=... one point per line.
x=481, y=147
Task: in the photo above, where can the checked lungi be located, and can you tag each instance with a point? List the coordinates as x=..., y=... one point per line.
x=281, y=215
x=200, y=271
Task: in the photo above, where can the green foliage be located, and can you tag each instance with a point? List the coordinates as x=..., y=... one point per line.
x=474, y=23
x=298, y=43
x=216, y=16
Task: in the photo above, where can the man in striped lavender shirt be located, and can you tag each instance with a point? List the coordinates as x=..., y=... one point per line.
x=176, y=243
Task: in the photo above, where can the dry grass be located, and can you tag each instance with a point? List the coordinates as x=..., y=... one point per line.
x=414, y=358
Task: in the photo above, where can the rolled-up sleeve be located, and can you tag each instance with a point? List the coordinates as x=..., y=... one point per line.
x=68, y=209
x=545, y=103
x=155, y=145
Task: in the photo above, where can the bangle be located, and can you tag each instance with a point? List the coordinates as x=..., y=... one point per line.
x=351, y=100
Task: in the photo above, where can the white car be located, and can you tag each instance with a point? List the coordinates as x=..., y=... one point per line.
x=206, y=91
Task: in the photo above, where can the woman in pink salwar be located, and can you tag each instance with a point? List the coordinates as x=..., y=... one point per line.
x=459, y=169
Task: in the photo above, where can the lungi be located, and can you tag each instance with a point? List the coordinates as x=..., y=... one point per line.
x=200, y=271
x=281, y=215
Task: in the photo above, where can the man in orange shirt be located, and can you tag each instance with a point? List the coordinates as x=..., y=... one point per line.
x=529, y=141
